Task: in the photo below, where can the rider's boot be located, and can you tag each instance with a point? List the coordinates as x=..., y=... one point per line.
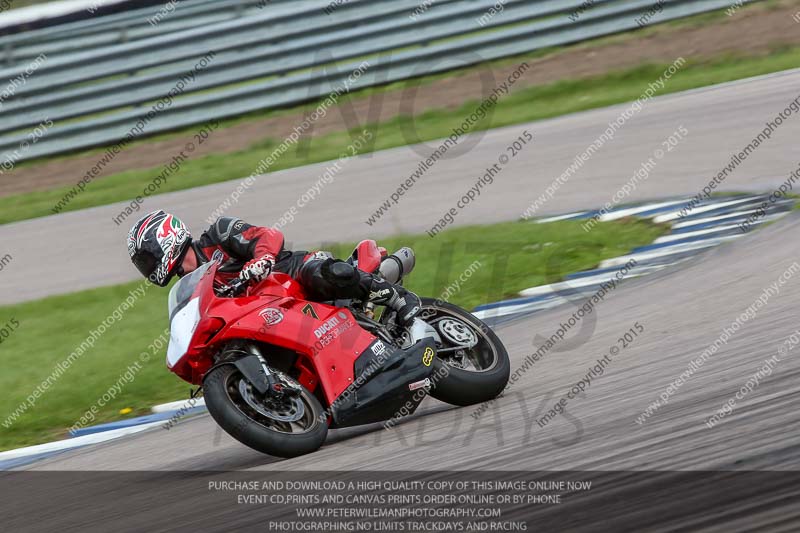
x=395, y=297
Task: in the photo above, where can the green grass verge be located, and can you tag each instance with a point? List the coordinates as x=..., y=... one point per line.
x=534, y=103
x=50, y=329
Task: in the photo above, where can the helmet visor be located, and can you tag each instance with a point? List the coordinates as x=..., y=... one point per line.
x=145, y=262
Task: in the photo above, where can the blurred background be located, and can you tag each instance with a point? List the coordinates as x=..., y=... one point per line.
x=310, y=116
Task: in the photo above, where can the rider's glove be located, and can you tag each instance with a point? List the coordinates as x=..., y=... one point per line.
x=257, y=269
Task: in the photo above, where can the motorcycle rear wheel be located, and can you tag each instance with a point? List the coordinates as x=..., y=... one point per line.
x=295, y=426
x=471, y=376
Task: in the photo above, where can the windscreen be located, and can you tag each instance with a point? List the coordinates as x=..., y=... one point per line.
x=182, y=292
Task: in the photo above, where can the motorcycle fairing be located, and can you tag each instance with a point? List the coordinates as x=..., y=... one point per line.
x=330, y=348
x=384, y=383
x=330, y=344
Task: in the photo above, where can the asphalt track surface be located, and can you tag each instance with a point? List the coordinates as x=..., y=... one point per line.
x=683, y=312
x=85, y=249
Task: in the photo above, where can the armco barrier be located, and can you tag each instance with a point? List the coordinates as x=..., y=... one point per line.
x=285, y=54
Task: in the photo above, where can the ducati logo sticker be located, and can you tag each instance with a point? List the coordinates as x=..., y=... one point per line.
x=310, y=311
x=326, y=327
x=427, y=356
x=271, y=315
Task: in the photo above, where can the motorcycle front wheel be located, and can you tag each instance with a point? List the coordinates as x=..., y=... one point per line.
x=471, y=364
x=284, y=427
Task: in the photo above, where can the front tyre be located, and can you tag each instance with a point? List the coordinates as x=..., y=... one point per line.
x=477, y=363
x=286, y=427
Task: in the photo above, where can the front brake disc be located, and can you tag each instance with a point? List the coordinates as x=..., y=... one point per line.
x=291, y=409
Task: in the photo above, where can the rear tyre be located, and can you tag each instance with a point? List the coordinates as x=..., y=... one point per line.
x=472, y=375
x=293, y=426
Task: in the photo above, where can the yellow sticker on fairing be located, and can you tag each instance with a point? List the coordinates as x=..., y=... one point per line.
x=427, y=356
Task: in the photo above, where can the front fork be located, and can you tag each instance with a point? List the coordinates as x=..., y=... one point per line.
x=255, y=370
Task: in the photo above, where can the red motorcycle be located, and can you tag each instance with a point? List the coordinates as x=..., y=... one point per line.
x=278, y=370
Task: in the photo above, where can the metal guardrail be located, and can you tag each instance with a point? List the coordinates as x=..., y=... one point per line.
x=244, y=38
x=128, y=26
x=229, y=66
x=287, y=54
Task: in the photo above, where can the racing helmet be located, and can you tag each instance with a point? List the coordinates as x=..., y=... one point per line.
x=157, y=245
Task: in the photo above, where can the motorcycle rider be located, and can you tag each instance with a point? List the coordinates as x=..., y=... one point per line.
x=161, y=246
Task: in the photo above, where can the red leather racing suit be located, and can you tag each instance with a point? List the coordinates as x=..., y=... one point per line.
x=234, y=242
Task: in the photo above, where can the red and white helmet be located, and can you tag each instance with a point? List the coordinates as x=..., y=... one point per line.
x=157, y=245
